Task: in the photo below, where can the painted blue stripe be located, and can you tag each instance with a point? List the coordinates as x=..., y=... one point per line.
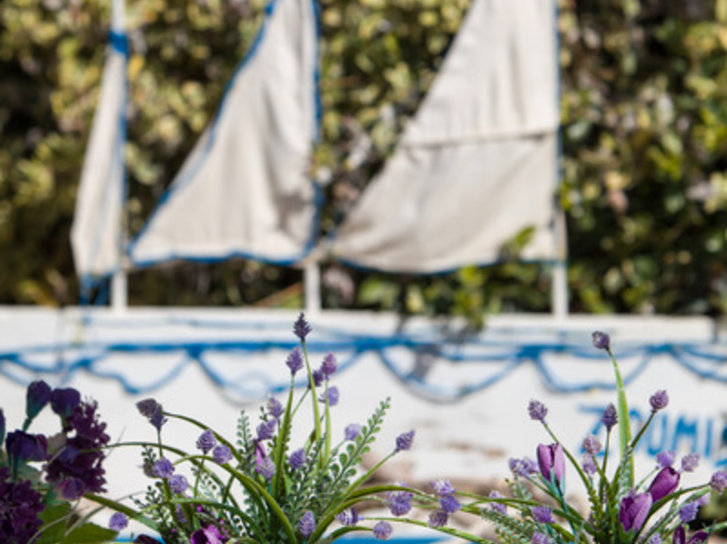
x=186, y=179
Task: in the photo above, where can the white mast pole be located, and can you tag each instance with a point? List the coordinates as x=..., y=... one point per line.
x=312, y=288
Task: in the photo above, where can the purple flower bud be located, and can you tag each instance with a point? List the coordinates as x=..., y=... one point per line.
x=449, y=503
x=382, y=530
x=601, y=340
x=665, y=458
x=301, y=328
x=542, y=514
x=659, y=400
x=589, y=465
x=221, y=454
x=551, y=461
x=72, y=489
x=443, y=487
x=665, y=482
x=294, y=360
x=162, y=468
x=522, y=467
x=266, y=429
x=333, y=396
x=36, y=398
x=307, y=523
x=275, y=409
x=438, y=518
x=399, y=502
x=497, y=506
x=329, y=365
x=152, y=410
x=178, y=484
x=23, y=446
x=297, y=459
x=609, y=417
x=718, y=482
x=591, y=445
x=540, y=538
x=317, y=378
x=690, y=462
x=404, y=441
x=64, y=401
x=206, y=441
x=348, y=518
x=352, y=431
x=266, y=467
x=537, y=410
x=207, y=535
x=634, y=510
x=118, y=521
x=688, y=512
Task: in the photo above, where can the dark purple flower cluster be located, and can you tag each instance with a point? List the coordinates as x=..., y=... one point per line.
x=153, y=411
x=301, y=327
x=404, y=441
x=20, y=506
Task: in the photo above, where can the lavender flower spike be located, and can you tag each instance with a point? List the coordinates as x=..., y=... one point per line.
x=382, y=530
x=301, y=328
x=162, y=468
x=348, y=518
x=591, y=445
x=438, y=518
x=206, y=441
x=297, y=459
x=688, y=512
x=118, y=521
x=329, y=365
x=540, y=538
x=221, y=454
x=601, y=340
x=659, y=400
x=352, y=431
x=633, y=511
x=542, y=514
x=307, y=523
x=609, y=417
x=404, y=441
x=690, y=462
x=665, y=458
x=497, y=506
x=718, y=482
x=537, y=410
x=294, y=361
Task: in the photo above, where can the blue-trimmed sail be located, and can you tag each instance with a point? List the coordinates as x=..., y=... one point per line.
x=245, y=190
x=97, y=235
x=477, y=165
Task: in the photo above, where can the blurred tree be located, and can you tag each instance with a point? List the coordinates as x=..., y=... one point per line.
x=644, y=105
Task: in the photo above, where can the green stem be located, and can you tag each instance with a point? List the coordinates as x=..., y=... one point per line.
x=624, y=426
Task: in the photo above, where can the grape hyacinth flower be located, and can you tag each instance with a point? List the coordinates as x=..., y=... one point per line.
x=399, y=502
x=633, y=510
x=601, y=340
x=665, y=482
x=537, y=410
x=659, y=401
x=690, y=462
x=383, y=530
x=404, y=441
x=294, y=361
x=221, y=454
x=542, y=514
x=178, y=484
x=301, y=327
x=307, y=523
x=118, y=522
x=352, y=431
x=163, y=468
x=551, y=461
x=206, y=441
x=609, y=417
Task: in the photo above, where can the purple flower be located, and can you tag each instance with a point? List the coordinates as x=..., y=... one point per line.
x=443, y=487
x=438, y=518
x=152, y=410
x=522, y=467
x=301, y=328
x=333, y=396
x=24, y=446
x=718, y=482
x=609, y=417
x=449, y=503
x=266, y=467
x=591, y=445
x=221, y=454
x=399, y=502
x=680, y=536
x=72, y=489
x=542, y=514
x=329, y=365
x=497, y=506
x=37, y=396
x=275, y=409
x=659, y=400
x=688, y=512
x=348, y=518
x=690, y=462
x=207, y=535
x=665, y=482
x=601, y=340
x=589, y=465
x=162, y=468
x=266, y=429
x=307, y=523
x=146, y=539
x=540, y=538
x=2, y=426
x=551, y=461
x=297, y=459
x=404, y=441
x=178, y=484
x=634, y=510
x=20, y=505
x=352, y=431
x=382, y=530
x=118, y=521
x=206, y=441
x=64, y=401
x=317, y=378
x=537, y=410
x=294, y=360
x=654, y=539
x=665, y=458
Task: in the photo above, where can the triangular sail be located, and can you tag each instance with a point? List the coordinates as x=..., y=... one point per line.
x=97, y=233
x=245, y=190
x=477, y=164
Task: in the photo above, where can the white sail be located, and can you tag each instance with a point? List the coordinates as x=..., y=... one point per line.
x=477, y=164
x=97, y=234
x=245, y=190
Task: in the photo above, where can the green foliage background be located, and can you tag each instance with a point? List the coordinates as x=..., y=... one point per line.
x=644, y=104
